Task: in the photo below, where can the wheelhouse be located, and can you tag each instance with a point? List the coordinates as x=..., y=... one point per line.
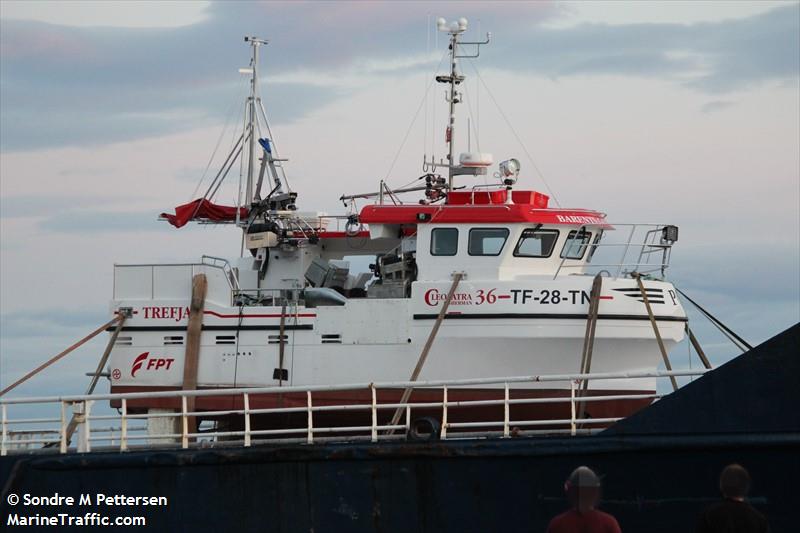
x=486, y=237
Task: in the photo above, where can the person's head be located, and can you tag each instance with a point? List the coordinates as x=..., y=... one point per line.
x=734, y=482
x=583, y=489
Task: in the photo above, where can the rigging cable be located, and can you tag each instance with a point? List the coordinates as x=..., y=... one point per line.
x=739, y=342
x=241, y=178
x=513, y=131
x=228, y=117
x=413, y=120
x=473, y=128
x=274, y=146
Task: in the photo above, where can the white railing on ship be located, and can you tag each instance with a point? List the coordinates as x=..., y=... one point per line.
x=645, y=248
x=76, y=411
x=211, y=261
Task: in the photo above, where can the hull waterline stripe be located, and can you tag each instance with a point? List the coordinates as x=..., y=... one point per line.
x=548, y=316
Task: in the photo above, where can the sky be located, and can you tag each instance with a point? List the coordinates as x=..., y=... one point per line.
x=679, y=112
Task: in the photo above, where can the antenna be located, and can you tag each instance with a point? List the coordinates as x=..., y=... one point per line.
x=455, y=29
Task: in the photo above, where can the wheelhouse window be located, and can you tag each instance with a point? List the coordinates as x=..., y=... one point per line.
x=487, y=241
x=536, y=242
x=444, y=241
x=594, y=246
x=576, y=245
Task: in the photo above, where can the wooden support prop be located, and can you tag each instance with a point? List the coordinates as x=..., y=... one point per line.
x=588, y=340
x=655, y=329
x=73, y=422
x=106, y=354
x=49, y=362
x=193, y=332
x=700, y=353
x=282, y=345
x=424, y=355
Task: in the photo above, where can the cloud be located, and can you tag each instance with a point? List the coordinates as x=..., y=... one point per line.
x=42, y=205
x=82, y=86
x=53, y=323
x=87, y=85
x=111, y=13
x=716, y=105
x=90, y=221
x=714, y=57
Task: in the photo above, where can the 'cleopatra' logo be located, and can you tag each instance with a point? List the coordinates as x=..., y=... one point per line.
x=432, y=298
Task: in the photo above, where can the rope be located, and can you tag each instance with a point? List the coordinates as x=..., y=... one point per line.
x=228, y=117
x=413, y=121
x=730, y=334
x=516, y=135
x=49, y=362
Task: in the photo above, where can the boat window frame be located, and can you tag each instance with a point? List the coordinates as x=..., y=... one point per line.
x=534, y=230
x=585, y=245
x=499, y=251
x=595, y=244
x=455, y=252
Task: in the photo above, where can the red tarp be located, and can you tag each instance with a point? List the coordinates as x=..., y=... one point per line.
x=203, y=209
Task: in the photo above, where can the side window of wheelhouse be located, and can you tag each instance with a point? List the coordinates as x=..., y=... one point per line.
x=593, y=248
x=444, y=241
x=487, y=241
x=576, y=245
x=536, y=243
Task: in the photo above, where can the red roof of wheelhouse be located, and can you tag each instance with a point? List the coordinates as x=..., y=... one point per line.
x=486, y=207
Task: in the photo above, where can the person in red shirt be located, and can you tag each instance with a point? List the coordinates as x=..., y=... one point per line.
x=583, y=492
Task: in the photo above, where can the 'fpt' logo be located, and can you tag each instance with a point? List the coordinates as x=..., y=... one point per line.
x=154, y=363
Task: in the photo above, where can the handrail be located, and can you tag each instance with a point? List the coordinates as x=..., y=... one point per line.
x=646, y=247
x=541, y=378
x=225, y=266
x=115, y=432
x=230, y=275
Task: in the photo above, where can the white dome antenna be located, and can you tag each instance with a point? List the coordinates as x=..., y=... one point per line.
x=453, y=28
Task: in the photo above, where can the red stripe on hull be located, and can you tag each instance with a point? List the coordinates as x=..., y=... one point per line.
x=483, y=413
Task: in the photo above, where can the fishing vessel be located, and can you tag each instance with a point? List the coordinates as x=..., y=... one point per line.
x=435, y=358
x=464, y=274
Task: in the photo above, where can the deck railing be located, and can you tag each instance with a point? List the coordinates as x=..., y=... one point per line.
x=646, y=241
x=127, y=429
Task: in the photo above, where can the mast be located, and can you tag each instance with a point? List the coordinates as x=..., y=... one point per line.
x=453, y=99
x=255, y=42
x=455, y=29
